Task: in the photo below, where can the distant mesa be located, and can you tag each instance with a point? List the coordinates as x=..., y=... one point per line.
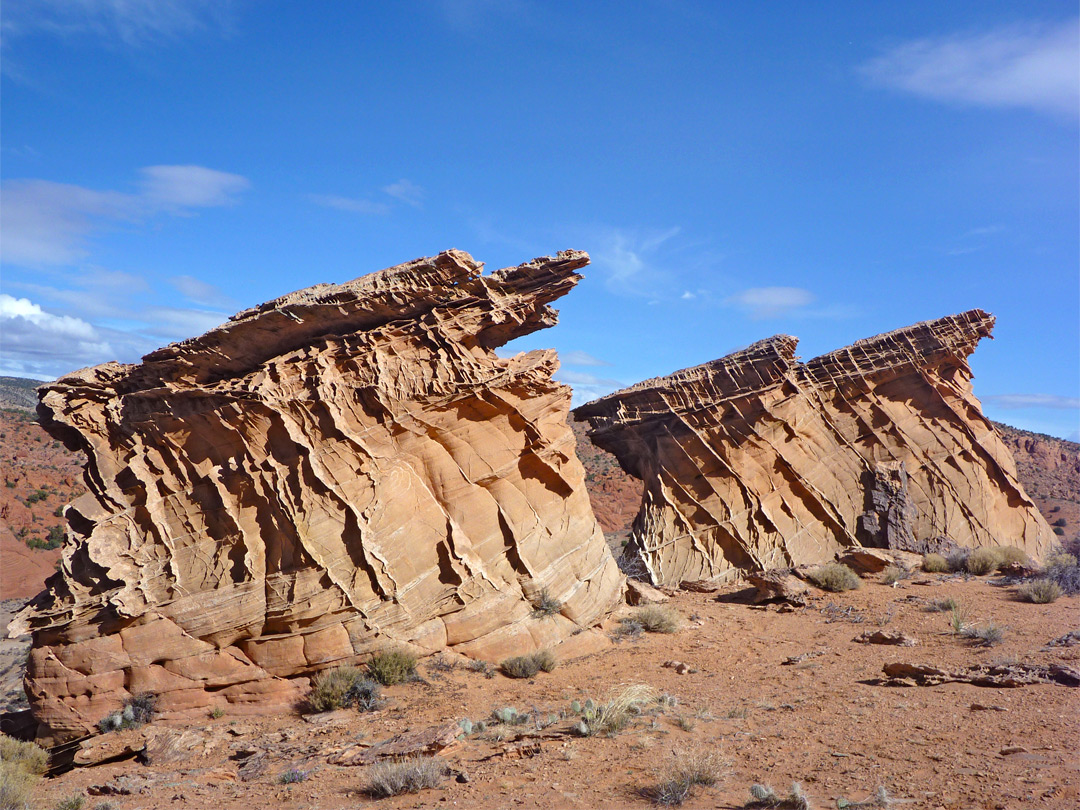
x=343, y=469
x=758, y=461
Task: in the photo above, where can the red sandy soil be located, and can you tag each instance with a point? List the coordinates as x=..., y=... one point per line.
x=823, y=722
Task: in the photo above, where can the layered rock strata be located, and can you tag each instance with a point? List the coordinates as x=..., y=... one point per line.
x=346, y=468
x=758, y=461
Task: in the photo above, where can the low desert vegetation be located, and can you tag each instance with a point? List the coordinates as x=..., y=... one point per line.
x=341, y=687
x=690, y=769
x=621, y=709
x=411, y=775
x=293, y=776
x=982, y=561
x=527, y=666
x=392, y=666
x=835, y=578
x=1010, y=554
x=984, y=635
x=545, y=605
x=956, y=560
x=1063, y=569
x=628, y=628
x=70, y=803
x=1039, y=591
x=879, y=801
x=21, y=767
x=763, y=796
x=657, y=618
x=137, y=710
x=893, y=574
x=935, y=564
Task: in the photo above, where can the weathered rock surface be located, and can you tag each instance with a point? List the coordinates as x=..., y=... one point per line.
x=758, y=461
x=344, y=468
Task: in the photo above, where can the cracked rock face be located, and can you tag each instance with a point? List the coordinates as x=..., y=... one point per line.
x=758, y=461
x=346, y=468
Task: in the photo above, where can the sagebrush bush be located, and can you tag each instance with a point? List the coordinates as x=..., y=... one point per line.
x=982, y=561
x=137, y=711
x=957, y=559
x=411, y=775
x=657, y=618
x=21, y=767
x=1063, y=569
x=293, y=776
x=1040, y=591
x=392, y=666
x=935, y=564
x=545, y=604
x=834, y=577
x=527, y=666
x=343, y=686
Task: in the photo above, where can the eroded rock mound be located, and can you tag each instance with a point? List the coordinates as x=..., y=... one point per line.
x=758, y=461
x=342, y=469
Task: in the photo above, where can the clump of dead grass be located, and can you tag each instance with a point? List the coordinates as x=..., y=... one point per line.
x=935, y=564
x=343, y=686
x=528, y=666
x=657, y=618
x=1041, y=591
x=617, y=713
x=690, y=769
x=545, y=605
x=21, y=767
x=411, y=775
x=982, y=561
x=392, y=666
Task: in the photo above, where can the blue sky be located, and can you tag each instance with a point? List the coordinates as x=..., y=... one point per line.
x=736, y=170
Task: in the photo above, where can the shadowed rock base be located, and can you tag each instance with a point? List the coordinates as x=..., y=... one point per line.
x=343, y=469
x=758, y=461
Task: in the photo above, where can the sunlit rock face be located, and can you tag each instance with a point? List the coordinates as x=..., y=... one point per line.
x=758, y=461
x=343, y=469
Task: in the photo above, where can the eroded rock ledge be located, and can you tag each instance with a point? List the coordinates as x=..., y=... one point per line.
x=344, y=468
x=758, y=461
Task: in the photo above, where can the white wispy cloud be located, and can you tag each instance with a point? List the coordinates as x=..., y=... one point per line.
x=465, y=15
x=133, y=22
x=762, y=303
x=48, y=223
x=1019, y=401
x=200, y=292
x=354, y=205
x=1036, y=66
x=587, y=387
x=406, y=191
x=628, y=259
x=576, y=357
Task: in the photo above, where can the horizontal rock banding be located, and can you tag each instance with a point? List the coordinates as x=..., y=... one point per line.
x=758, y=461
x=341, y=469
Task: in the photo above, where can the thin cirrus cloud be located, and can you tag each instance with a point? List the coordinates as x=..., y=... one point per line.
x=133, y=22
x=763, y=303
x=1019, y=401
x=576, y=357
x=49, y=223
x=629, y=259
x=1034, y=66
x=406, y=191
x=403, y=190
x=200, y=292
x=587, y=387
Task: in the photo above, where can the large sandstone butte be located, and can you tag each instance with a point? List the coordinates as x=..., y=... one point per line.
x=346, y=468
x=758, y=461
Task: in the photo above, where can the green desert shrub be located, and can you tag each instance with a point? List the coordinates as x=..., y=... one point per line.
x=935, y=564
x=392, y=666
x=982, y=561
x=293, y=776
x=1040, y=591
x=343, y=686
x=411, y=775
x=834, y=577
x=657, y=618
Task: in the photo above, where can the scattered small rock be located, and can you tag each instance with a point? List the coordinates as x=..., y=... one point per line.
x=886, y=637
x=1012, y=749
x=679, y=667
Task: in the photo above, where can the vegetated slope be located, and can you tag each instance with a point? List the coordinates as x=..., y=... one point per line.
x=1050, y=471
x=18, y=393
x=40, y=476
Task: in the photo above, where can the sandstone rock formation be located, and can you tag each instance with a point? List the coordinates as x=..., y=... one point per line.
x=342, y=469
x=758, y=461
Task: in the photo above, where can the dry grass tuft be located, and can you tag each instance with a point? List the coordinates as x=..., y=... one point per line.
x=343, y=686
x=545, y=605
x=620, y=710
x=1039, y=591
x=982, y=561
x=410, y=775
x=28, y=756
x=985, y=635
x=527, y=666
x=835, y=578
x=690, y=769
x=657, y=618
x=935, y=564
x=392, y=666
x=21, y=767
